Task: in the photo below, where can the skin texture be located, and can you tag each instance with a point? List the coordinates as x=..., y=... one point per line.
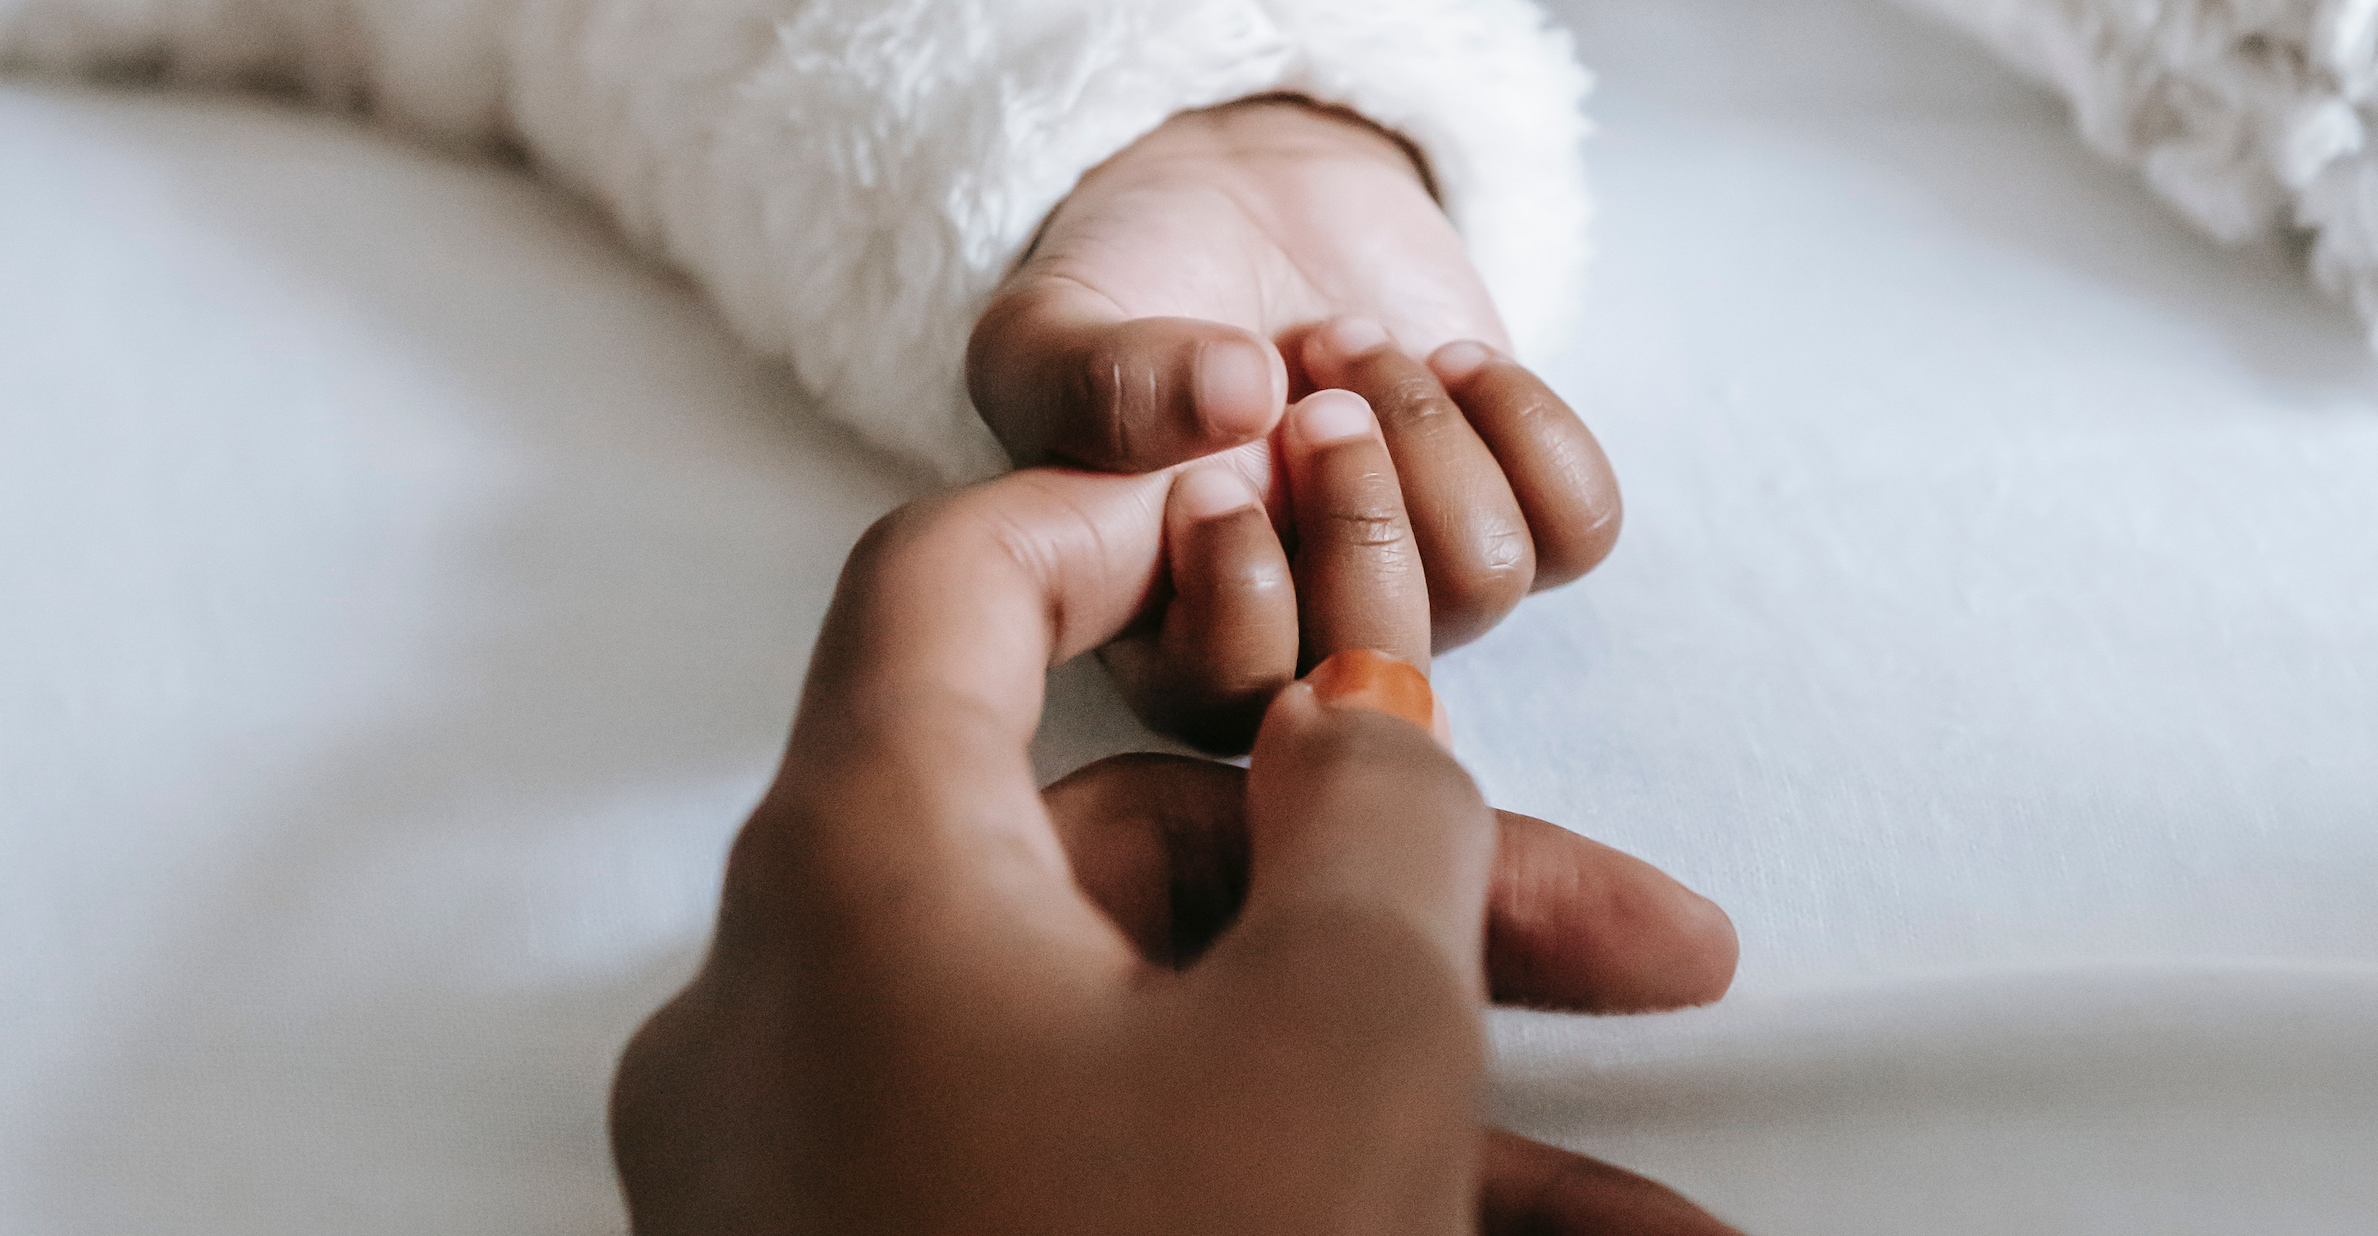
x=1241, y=616
x=1381, y=683
x=1238, y=615
x=1162, y=997
x=1239, y=257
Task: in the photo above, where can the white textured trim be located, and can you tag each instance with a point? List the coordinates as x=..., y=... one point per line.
x=2249, y=116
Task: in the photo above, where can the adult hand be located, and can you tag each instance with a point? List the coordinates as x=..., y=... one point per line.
x=1189, y=286
x=1165, y=997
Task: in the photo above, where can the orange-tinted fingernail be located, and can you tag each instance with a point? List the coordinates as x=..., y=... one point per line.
x=1361, y=678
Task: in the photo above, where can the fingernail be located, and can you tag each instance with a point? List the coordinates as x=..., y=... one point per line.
x=1361, y=678
x=1205, y=493
x=1457, y=361
x=1234, y=379
x=1353, y=336
x=1332, y=416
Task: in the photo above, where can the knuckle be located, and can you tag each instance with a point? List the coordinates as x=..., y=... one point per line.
x=1534, y=409
x=1572, y=551
x=769, y=857
x=1124, y=396
x=1372, y=521
x=1416, y=397
x=889, y=536
x=1471, y=589
x=1264, y=584
x=1031, y=534
x=1249, y=584
x=1094, y=410
x=1522, y=396
x=1021, y=521
x=1506, y=551
x=1494, y=572
x=1369, y=531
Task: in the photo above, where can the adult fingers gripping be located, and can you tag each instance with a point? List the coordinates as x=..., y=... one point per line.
x=1159, y=842
x=1474, y=541
x=944, y=959
x=906, y=816
x=926, y=682
x=899, y=893
x=1352, y=969
x=1061, y=375
x=1363, y=832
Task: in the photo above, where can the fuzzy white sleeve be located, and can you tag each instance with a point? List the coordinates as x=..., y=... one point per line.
x=849, y=179
x=2249, y=116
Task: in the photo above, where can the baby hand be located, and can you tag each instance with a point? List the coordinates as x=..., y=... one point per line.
x=1191, y=284
x=1238, y=617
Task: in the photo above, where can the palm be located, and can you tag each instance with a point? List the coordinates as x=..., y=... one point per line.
x=1270, y=231
x=1243, y=226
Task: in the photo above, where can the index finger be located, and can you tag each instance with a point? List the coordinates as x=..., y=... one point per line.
x=906, y=819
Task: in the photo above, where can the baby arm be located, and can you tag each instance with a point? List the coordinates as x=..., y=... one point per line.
x=854, y=182
x=850, y=180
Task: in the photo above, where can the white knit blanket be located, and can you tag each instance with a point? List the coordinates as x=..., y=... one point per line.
x=2248, y=116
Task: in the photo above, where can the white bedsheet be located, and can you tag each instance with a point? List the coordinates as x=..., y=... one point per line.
x=402, y=594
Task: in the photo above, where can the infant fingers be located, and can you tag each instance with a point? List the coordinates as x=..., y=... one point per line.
x=1555, y=468
x=1473, y=539
x=1227, y=640
x=1227, y=637
x=1359, y=581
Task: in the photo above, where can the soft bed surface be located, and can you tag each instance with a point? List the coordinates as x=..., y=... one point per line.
x=405, y=593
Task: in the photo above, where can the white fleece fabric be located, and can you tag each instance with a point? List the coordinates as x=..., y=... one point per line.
x=2250, y=116
x=849, y=179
